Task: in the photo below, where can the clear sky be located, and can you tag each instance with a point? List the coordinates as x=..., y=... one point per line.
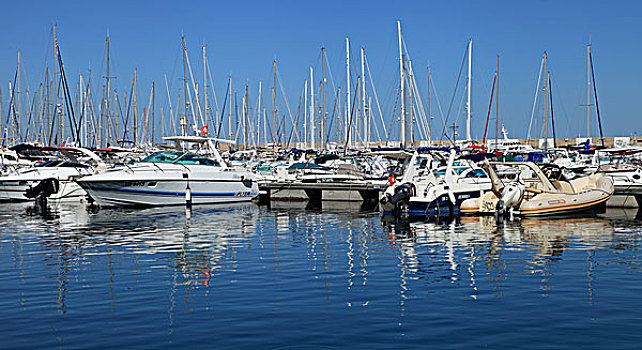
x=243, y=37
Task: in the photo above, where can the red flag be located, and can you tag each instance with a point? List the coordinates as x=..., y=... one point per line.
x=203, y=130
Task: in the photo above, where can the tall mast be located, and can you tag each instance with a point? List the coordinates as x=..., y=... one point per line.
x=258, y=119
x=348, y=87
x=107, y=87
x=550, y=93
x=276, y=110
x=429, y=109
x=470, y=78
x=184, y=122
x=588, y=90
x=135, y=98
x=229, y=113
x=546, y=105
x=116, y=114
x=153, y=110
x=312, y=126
x=56, y=90
x=16, y=102
x=246, y=118
x=322, y=119
x=497, y=103
x=305, y=114
x=402, y=92
x=363, y=98
x=597, y=106
x=412, y=105
x=205, y=102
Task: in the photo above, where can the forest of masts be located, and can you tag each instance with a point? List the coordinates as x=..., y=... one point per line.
x=59, y=113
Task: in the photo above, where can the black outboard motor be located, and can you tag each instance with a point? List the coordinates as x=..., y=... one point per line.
x=399, y=200
x=44, y=189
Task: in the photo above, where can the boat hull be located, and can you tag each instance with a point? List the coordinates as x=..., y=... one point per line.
x=168, y=192
x=14, y=191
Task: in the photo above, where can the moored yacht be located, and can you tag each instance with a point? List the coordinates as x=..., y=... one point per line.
x=172, y=178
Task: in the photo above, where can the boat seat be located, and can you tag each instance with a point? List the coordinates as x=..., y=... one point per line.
x=563, y=186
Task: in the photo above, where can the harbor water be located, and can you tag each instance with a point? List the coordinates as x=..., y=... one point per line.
x=289, y=277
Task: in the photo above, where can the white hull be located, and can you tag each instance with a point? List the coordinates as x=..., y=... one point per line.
x=14, y=191
x=151, y=184
x=162, y=193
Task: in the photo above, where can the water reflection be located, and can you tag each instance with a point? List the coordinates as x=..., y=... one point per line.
x=250, y=260
x=453, y=248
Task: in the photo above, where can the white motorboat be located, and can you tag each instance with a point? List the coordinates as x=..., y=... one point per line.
x=430, y=189
x=171, y=178
x=53, y=179
x=19, y=184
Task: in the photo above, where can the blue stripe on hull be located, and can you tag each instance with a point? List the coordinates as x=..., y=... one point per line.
x=163, y=193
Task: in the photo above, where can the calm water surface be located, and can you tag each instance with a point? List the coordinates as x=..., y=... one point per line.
x=249, y=276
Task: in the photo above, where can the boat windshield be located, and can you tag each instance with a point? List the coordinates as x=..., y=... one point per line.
x=179, y=158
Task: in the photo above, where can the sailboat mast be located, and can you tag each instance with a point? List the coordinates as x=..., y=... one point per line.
x=275, y=116
x=597, y=106
x=312, y=126
x=107, y=88
x=550, y=93
x=229, y=113
x=205, y=102
x=184, y=121
x=588, y=90
x=246, y=118
x=305, y=114
x=348, y=87
x=546, y=96
x=469, y=83
x=402, y=92
x=497, y=103
x=16, y=102
x=363, y=98
x=429, y=109
x=258, y=119
x=135, y=82
x=323, y=115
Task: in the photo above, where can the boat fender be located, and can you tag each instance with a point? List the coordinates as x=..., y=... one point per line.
x=188, y=196
x=500, y=209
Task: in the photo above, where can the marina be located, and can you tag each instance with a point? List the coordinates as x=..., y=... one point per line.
x=304, y=175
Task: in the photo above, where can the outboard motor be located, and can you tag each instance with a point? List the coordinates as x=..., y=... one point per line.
x=512, y=196
x=400, y=198
x=44, y=189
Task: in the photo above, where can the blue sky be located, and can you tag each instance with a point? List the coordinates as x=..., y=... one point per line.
x=243, y=38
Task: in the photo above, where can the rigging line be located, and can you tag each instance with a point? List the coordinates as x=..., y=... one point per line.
x=334, y=110
x=10, y=109
x=287, y=104
x=298, y=112
x=198, y=104
x=374, y=90
x=31, y=112
x=213, y=91
x=354, y=100
x=218, y=131
x=129, y=104
x=597, y=106
x=539, y=78
x=452, y=99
